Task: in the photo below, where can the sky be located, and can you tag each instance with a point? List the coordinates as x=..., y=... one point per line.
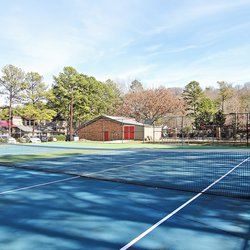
x=159, y=42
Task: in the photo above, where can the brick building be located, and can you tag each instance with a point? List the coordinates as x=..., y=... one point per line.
x=109, y=128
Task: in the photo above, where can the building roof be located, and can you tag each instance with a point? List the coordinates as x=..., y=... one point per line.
x=28, y=129
x=6, y=124
x=119, y=119
x=124, y=120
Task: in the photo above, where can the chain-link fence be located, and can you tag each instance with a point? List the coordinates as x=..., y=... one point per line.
x=235, y=130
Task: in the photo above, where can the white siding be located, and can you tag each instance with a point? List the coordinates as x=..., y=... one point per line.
x=152, y=133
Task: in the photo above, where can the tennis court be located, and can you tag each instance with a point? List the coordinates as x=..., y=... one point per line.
x=58, y=197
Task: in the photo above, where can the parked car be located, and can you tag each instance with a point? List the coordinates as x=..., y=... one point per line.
x=44, y=138
x=7, y=139
x=31, y=139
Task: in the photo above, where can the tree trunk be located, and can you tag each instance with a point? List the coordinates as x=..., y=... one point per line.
x=71, y=132
x=10, y=117
x=33, y=128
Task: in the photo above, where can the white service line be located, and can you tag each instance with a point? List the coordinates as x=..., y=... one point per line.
x=131, y=243
x=38, y=185
x=66, y=179
x=125, y=166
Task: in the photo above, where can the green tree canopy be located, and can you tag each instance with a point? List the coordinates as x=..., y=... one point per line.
x=205, y=112
x=66, y=95
x=4, y=114
x=12, y=84
x=34, y=96
x=89, y=96
x=206, y=105
x=219, y=118
x=115, y=96
x=35, y=89
x=136, y=86
x=225, y=92
x=192, y=95
x=37, y=113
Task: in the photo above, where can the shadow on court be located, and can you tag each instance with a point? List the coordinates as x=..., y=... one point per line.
x=183, y=171
x=88, y=214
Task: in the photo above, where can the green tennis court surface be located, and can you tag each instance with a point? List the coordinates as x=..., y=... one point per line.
x=88, y=198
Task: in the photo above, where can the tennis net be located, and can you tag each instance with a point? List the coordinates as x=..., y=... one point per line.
x=187, y=170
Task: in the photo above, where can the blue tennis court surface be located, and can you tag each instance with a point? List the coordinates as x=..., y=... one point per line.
x=56, y=212
x=87, y=198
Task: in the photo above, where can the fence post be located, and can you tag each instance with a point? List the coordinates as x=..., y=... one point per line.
x=236, y=126
x=247, y=129
x=182, y=132
x=143, y=133
x=122, y=132
x=153, y=132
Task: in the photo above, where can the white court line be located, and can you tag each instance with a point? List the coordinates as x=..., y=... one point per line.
x=65, y=179
x=131, y=243
x=125, y=166
x=38, y=185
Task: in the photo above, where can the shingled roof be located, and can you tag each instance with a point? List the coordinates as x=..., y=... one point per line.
x=119, y=119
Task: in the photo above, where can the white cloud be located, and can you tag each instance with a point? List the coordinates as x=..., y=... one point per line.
x=122, y=40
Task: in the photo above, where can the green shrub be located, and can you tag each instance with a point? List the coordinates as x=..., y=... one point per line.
x=58, y=137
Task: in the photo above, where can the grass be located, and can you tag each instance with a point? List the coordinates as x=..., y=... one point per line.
x=21, y=158
x=64, y=152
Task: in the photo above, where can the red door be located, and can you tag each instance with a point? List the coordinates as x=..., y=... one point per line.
x=126, y=132
x=129, y=132
x=106, y=135
x=132, y=133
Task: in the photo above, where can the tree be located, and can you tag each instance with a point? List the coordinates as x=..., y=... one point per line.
x=95, y=98
x=225, y=92
x=78, y=97
x=192, y=95
x=3, y=113
x=35, y=89
x=150, y=104
x=136, y=86
x=244, y=95
x=205, y=112
x=219, y=118
x=65, y=92
x=12, y=84
x=202, y=120
x=206, y=105
x=113, y=97
x=219, y=121
x=34, y=96
x=38, y=113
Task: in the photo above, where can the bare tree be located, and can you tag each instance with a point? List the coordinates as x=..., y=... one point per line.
x=150, y=104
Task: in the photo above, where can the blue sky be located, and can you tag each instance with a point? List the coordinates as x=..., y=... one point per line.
x=159, y=42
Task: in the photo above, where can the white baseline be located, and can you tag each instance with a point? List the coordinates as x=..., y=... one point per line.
x=131, y=243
